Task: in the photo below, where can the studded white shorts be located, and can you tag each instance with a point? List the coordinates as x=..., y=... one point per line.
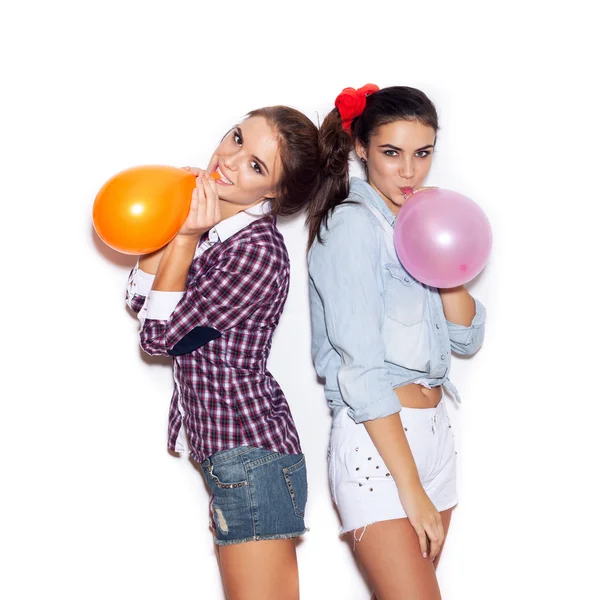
x=362, y=487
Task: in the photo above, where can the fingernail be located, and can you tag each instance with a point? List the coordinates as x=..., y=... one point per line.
x=424, y=554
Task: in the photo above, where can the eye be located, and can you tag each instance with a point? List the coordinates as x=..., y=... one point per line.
x=237, y=138
x=256, y=167
x=423, y=154
x=390, y=153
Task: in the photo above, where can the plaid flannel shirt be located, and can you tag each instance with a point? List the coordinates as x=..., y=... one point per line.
x=219, y=333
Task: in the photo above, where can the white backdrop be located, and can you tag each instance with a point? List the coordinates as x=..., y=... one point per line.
x=93, y=506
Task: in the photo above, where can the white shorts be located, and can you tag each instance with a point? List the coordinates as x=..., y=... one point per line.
x=361, y=485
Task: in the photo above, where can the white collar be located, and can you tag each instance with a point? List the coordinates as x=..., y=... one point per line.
x=232, y=225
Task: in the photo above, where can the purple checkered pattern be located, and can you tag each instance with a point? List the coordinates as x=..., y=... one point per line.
x=227, y=395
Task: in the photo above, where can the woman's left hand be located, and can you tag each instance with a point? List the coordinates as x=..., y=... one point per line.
x=205, y=210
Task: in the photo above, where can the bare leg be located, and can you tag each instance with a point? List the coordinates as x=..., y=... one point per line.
x=446, y=516
x=393, y=564
x=391, y=559
x=264, y=570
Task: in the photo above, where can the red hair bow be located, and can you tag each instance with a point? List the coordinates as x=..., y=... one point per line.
x=351, y=103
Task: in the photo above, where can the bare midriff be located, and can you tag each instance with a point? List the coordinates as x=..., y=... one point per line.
x=414, y=395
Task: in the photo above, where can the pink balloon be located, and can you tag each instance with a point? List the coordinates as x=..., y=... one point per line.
x=443, y=239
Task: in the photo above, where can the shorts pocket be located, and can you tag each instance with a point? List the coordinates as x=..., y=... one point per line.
x=297, y=485
x=228, y=474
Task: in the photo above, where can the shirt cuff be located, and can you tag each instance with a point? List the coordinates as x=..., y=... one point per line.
x=140, y=283
x=161, y=305
x=377, y=410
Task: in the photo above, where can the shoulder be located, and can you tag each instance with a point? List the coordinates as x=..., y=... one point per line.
x=351, y=226
x=259, y=245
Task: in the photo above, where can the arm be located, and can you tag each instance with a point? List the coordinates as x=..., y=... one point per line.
x=465, y=318
x=390, y=440
x=344, y=272
x=246, y=276
x=149, y=262
x=171, y=265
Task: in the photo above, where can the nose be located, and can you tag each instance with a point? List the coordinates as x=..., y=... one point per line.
x=230, y=161
x=407, y=168
x=230, y=157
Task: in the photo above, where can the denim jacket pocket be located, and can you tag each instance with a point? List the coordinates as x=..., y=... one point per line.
x=405, y=329
x=404, y=297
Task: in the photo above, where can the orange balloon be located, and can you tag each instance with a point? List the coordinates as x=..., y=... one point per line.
x=140, y=210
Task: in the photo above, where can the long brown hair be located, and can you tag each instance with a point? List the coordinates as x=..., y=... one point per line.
x=398, y=103
x=298, y=140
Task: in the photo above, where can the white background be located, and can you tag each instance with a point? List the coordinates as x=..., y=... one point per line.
x=93, y=506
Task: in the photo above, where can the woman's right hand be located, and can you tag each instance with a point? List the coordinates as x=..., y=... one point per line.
x=426, y=521
x=205, y=210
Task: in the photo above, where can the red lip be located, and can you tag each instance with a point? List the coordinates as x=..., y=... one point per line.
x=218, y=177
x=406, y=190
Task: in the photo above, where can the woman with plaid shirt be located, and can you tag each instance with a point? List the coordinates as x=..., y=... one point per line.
x=211, y=299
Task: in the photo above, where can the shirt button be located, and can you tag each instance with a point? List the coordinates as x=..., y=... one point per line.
x=437, y=326
x=443, y=357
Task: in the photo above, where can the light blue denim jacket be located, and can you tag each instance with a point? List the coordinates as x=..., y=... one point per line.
x=374, y=327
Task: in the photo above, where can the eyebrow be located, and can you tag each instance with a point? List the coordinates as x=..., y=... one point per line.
x=258, y=160
x=392, y=147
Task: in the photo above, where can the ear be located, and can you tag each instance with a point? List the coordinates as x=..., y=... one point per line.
x=270, y=195
x=361, y=151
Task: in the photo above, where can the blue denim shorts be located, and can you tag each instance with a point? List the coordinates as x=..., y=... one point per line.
x=257, y=494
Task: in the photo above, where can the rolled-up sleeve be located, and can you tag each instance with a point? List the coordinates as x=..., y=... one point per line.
x=217, y=300
x=344, y=271
x=466, y=340
x=139, y=285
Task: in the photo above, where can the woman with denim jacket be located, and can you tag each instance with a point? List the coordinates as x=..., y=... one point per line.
x=382, y=342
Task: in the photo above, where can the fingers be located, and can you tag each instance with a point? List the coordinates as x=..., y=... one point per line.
x=209, y=209
x=212, y=198
x=194, y=202
x=435, y=534
x=193, y=170
x=201, y=216
x=420, y=531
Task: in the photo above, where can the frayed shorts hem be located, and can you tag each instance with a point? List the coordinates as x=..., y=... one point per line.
x=344, y=531
x=260, y=538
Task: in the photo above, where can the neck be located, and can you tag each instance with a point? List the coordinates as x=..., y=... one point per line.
x=229, y=209
x=395, y=208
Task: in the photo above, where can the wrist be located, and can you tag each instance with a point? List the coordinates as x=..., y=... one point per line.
x=185, y=240
x=448, y=291
x=408, y=483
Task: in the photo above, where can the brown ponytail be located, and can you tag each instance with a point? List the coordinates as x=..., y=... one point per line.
x=335, y=146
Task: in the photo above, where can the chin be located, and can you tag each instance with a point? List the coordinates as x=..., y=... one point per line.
x=398, y=200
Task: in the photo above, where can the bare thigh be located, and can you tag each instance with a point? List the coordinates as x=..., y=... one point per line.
x=446, y=516
x=264, y=570
x=390, y=556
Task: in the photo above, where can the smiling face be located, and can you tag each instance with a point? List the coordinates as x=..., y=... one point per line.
x=246, y=165
x=398, y=159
